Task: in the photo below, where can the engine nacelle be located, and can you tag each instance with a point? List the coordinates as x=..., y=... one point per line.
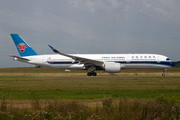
x=112, y=67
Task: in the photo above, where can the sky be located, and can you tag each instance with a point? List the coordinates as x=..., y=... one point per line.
x=90, y=27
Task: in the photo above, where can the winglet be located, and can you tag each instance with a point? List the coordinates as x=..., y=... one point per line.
x=56, y=51
x=53, y=49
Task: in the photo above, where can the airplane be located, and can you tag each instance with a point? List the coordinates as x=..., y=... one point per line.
x=110, y=63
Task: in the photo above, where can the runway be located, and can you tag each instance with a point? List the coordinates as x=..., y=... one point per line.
x=84, y=74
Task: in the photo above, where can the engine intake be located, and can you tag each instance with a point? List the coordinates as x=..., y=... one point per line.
x=112, y=67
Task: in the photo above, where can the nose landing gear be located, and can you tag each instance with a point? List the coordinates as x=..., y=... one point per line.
x=163, y=74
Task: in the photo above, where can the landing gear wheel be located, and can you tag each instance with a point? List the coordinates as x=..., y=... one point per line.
x=89, y=74
x=163, y=74
x=94, y=74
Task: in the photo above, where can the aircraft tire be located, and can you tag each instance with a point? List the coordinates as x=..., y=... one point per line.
x=89, y=74
x=163, y=74
x=94, y=74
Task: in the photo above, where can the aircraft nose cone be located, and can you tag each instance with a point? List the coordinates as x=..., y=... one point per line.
x=173, y=64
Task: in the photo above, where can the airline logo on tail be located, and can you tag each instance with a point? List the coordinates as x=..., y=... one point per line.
x=22, y=47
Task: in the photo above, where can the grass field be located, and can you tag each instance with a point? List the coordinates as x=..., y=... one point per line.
x=83, y=87
x=29, y=87
x=43, y=93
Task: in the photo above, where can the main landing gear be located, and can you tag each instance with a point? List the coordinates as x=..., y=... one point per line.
x=91, y=73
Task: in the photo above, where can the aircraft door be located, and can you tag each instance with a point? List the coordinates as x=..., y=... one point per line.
x=128, y=59
x=44, y=60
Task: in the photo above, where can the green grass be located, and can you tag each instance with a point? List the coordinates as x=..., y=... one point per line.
x=30, y=87
x=121, y=97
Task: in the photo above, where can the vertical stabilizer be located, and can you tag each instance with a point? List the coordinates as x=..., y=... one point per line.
x=23, y=48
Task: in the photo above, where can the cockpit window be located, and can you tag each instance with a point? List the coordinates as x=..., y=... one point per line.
x=168, y=59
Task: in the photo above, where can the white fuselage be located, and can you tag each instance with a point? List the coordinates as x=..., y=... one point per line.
x=126, y=60
x=111, y=63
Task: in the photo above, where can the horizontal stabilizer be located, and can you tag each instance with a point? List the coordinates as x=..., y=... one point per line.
x=18, y=58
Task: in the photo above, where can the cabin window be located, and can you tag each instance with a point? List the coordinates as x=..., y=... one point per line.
x=136, y=56
x=132, y=56
x=149, y=56
x=145, y=56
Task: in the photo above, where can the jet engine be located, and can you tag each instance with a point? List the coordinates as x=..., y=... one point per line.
x=112, y=67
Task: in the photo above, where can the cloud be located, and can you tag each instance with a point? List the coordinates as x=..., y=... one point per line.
x=166, y=10
x=115, y=3
x=93, y=26
x=94, y=5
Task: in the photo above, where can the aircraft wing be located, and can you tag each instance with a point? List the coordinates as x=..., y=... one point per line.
x=81, y=60
x=18, y=58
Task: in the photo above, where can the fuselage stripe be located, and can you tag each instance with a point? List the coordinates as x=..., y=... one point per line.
x=166, y=63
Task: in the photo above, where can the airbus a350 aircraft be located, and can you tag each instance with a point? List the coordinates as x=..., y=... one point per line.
x=111, y=63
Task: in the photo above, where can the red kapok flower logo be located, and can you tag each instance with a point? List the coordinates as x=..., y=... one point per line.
x=22, y=47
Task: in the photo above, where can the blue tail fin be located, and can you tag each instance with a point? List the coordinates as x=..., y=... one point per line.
x=23, y=48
